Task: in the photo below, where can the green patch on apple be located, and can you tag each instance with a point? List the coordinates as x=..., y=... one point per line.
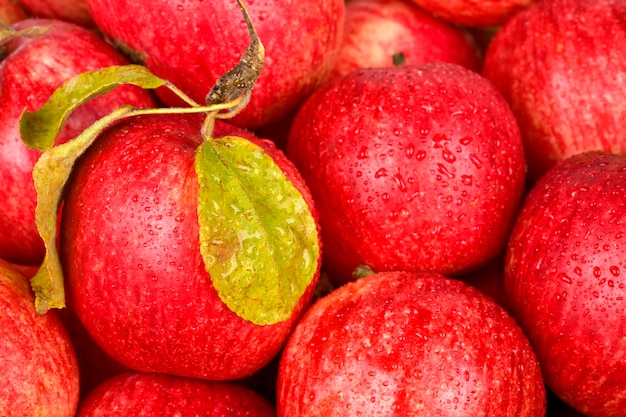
x=258, y=238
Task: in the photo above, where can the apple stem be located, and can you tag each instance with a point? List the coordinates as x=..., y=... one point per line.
x=8, y=33
x=236, y=85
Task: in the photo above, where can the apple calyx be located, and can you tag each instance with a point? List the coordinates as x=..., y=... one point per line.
x=398, y=59
x=258, y=238
x=362, y=271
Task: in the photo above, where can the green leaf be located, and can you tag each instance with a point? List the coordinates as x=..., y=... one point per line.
x=50, y=173
x=258, y=238
x=40, y=128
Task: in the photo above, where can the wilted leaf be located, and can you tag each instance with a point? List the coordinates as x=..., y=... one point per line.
x=50, y=174
x=40, y=128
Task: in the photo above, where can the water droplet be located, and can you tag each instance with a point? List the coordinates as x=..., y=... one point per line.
x=363, y=153
x=596, y=272
x=263, y=15
x=614, y=270
x=380, y=173
x=466, y=140
x=448, y=156
x=565, y=278
x=420, y=155
x=410, y=150
x=400, y=181
x=466, y=179
x=476, y=161
x=444, y=171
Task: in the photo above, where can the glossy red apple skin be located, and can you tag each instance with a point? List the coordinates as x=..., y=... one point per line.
x=131, y=256
x=73, y=11
x=39, y=369
x=30, y=72
x=557, y=64
x=136, y=393
x=376, y=30
x=565, y=280
x=408, y=344
x=191, y=44
x=411, y=168
x=474, y=13
x=11, y=12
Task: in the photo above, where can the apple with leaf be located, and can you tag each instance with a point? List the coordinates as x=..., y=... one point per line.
x=186, y=247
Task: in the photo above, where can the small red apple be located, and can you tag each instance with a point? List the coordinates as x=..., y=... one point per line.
x=565, y=280
x=135, y=393
x=37, y=361
x=130, y=249
x=411, y=168
x=377, y=31
x=408, y=344
x=30, y=71
x=193, y=43
x=560, y=66
x=73, y=11
x=474, y=13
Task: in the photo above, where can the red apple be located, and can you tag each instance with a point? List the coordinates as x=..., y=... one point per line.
x=377, y=30
x=560, y=65
x=74, y=11
x=31, y=70
x=408, y=344
x=411, y=168
x=38, y=364
x=474, y=13
x=11, y=12
x=165, y=395
x=565, y=280
x=191, y=44
x=130, y=249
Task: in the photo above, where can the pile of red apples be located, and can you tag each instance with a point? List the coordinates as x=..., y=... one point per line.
x=452, y=174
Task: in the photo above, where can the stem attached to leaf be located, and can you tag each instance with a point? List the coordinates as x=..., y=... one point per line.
x=236, y=85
